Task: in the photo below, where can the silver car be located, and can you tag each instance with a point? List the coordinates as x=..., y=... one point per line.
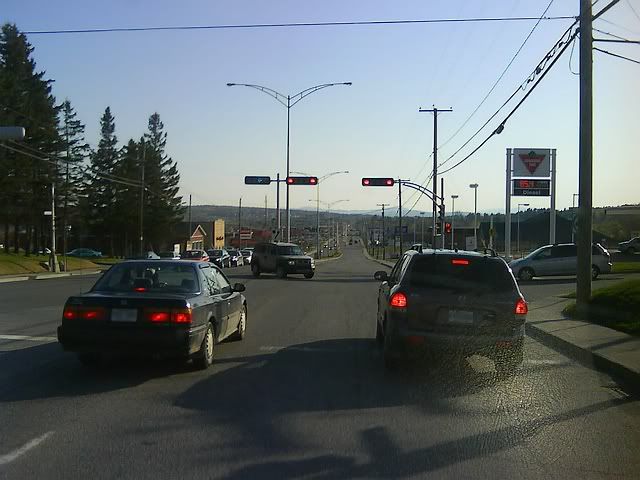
x=560, y=259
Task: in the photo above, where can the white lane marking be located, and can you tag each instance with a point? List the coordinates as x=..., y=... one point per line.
x=28, y=338
x=543, y=361
x=11, y=456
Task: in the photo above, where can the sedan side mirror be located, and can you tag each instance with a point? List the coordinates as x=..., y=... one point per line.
x=381, y=275
x=239, y=287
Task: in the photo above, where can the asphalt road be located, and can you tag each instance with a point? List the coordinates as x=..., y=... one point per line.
x=305, y=395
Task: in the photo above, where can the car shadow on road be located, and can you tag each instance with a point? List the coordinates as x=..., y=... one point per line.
x=45, y=371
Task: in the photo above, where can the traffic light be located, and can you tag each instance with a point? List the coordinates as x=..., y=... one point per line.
x=447, y=227
x=257, y=180
x=378, y=182
x=441, y=213
x=302, y=180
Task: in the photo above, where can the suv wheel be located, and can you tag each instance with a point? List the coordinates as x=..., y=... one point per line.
x=280, y=273
x=595, y=271
x=308, y=275
x=525, y=274
x=255, y=269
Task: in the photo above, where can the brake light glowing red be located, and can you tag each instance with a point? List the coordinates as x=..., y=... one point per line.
x=158, y=317
x=93, y=313
x=181, y=316
x=398, y=300
x=521, y=307
x=70, y=313
x=459, y=261
x=140, y=289
x=84, y=313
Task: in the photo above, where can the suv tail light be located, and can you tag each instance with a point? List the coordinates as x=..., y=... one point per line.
x=521, y=307
x=79, y=312
x=398, y=300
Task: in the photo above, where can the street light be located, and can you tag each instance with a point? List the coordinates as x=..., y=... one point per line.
x=453, y=216
x=329, y=205
x=320, y=179
x=475, y=212
x=520, y=205
x=288, y=101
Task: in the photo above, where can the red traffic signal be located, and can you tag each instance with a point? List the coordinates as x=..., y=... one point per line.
x=302, y=180
x=378, y=182
x=447, y=227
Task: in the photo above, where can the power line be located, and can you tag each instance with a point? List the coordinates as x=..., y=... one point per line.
x=541, y=67
x=610, y=34
x=292, y=25
x=633, y=10
x=616, y=55
x=501, y=126
x=495, y=84
x=619, y=26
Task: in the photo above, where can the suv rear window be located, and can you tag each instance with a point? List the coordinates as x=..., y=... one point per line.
x=463, y=274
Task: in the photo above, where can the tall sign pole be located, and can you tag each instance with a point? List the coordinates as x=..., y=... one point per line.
x=384, y=256
x=585, y=163
x=552, y=213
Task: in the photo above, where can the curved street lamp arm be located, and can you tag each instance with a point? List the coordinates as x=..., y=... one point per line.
x=304, y=93
x=420, y=188
x=269, y=91
x=324, y=177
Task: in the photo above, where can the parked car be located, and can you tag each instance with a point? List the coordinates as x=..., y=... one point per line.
x=195, y=255
x=84, y=253
x=247, y=254
x=282, y=259
x=451, y=303
x=235, y=258
x=630, y=247
x=560, y=259
x=157, y=307
x=220, y=257
x=169, y=255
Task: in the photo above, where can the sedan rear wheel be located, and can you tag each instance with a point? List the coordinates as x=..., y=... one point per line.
x=595, y=271
x=204, y=358
x=242, y=324
x=525, y=274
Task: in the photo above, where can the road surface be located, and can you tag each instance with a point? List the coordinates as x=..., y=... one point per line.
x=305, y=395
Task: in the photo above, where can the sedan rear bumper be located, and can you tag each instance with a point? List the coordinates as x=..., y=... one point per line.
x=111, y=339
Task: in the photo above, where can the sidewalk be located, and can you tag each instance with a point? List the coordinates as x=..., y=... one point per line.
x=386, y=263
x=601, y=347
x=46, y=275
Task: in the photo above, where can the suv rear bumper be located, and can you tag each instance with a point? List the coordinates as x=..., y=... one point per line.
x=405, y=341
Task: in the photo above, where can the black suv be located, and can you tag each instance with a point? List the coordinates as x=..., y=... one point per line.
x=452, y=303
x=281, y=259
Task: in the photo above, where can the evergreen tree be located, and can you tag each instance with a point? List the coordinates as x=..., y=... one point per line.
x=163, y=208
x=25, y=182
x=127, y=198
x=76, y=150
x=100, y=191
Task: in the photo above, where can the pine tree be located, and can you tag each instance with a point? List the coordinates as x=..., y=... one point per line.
x=26, y=100
x=100, y=191
x=163, y=208
x=76, y=151
x=127, y=198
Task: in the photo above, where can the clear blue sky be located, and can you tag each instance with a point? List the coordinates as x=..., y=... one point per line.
x=219, y=134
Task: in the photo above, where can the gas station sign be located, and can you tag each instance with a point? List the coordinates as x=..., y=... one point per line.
x=531, y=188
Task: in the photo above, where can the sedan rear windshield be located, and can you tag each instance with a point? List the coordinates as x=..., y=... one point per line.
x=469, y=275
x=215, y=253
x=290, y=250
x=149, y=277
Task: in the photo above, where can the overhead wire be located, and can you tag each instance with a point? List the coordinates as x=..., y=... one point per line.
x=616, y=55
x=291, y=25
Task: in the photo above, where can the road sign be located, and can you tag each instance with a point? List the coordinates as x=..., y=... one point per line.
x=378, y=182
x=302, y=180
x=257, y=180
x=531, y=188
x=531, y=162
x=246, y=235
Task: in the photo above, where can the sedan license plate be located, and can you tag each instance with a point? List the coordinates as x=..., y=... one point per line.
x=124, y=315
x=461, y=317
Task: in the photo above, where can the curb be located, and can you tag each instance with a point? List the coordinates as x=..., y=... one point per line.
x=384, y=263
x=324, y=260
x=585, y=355
x=13, y=279
x=47, y=276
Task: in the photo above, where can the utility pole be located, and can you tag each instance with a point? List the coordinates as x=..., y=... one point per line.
x=288, y=173
x=239, y=222
x=384, y=255
x=266, y=213
x=442, y=222
x=54, y=267
x=400, y=214
x=278, y=207
x=142, y=199
x=435, y=112
x=190, y=225
x=66, y=199
x=585, y=162
x=453, y=218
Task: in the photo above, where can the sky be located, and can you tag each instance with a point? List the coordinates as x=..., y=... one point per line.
x=219, y=134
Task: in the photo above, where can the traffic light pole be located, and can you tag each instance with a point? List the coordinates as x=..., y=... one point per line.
x=400, y=213
x=442, y=222
x=384, y=255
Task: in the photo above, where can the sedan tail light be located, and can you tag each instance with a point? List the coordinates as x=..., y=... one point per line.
x=521, y=307
x=398, y=300
x=181, y=315
x=80, y=312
